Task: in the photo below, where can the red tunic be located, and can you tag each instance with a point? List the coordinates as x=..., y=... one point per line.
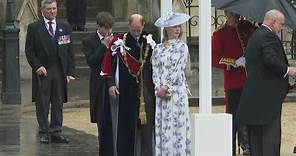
x=226, y=48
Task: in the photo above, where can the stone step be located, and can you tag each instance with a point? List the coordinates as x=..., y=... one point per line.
x=80, y=60
x=79, y=35
x=91, y=25
x=82, y=72
x=91, y=12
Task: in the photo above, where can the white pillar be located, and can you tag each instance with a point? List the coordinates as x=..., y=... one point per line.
x=211, y=133
x=205, y=69
x=165, y=6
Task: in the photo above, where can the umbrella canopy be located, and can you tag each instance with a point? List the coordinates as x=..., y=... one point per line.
x=256, y=9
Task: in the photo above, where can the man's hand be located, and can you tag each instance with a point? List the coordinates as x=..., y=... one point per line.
x=113, y=91
x=240, y=62
x=292, y=72
x=107, y=40
x=69, y=78
x=41, y=71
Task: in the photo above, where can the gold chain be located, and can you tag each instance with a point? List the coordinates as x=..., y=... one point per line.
x=142, y=61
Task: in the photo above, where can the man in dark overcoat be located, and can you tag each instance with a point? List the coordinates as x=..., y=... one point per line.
x=266, y=86
x=49, y=53
x=95, y=47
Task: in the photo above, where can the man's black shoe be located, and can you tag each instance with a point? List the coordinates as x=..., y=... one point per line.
x=294, y=151
x=246, y=152
x=59, y=139
x=44, y=139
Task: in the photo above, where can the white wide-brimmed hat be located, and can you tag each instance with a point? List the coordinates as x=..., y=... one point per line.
x=171, y=19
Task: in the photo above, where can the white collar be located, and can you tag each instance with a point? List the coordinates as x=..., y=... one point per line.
x=100, y=36
x=46, y=20
x=267, y=27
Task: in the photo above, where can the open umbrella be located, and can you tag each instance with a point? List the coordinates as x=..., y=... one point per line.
x=256, y=9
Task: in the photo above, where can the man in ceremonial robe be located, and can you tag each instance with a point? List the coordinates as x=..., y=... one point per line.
x=228, y=45
x=124, y=84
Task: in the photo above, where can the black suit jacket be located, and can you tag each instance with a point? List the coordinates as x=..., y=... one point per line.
x=39, y=46
x=266, y=85
x=94, y=52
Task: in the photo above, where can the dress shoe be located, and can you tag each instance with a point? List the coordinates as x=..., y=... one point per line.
x=246, y=152
x=294, y=151
x=74, y=28
x=80, y=28
x=246, y=149
x=44, y=139
x=59, y=139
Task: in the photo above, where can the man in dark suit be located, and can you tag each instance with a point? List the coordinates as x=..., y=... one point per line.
x=133, y=86
x=76, y=12
x=49, y=53
x=266, y=86
x=95, y=47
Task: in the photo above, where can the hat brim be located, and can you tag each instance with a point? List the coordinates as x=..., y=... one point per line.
x=173, y=20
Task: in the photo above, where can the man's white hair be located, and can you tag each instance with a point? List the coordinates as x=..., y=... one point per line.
x=272, y=15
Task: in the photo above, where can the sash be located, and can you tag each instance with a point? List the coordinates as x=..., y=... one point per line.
x=117, y=46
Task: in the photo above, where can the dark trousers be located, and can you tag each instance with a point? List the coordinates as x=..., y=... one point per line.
x=146, y=143
x=76, y=12
x=105, y=130
x=127, y=120
x=51, y=89
x=265, y=140
x=233, y=100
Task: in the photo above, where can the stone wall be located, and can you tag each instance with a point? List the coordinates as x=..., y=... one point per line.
x=27, y=13
x=2, y=8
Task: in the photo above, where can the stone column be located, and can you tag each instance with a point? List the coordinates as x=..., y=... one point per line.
x=120, y=10
x=11, y=70
x=2, y=12
x=27, y=14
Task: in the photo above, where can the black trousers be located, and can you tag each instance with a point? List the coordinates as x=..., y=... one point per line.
x=266, y=139
x=233, y=99
x=105, y=130
x=76, y=12
x=146, y=132
x=51, y=89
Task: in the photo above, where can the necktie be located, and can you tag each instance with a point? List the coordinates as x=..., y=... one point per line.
x=50, y=29
x=138, y=43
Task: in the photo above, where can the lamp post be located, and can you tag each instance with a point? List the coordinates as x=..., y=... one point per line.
x=11, y=71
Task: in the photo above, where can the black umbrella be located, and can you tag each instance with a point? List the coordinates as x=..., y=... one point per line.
x=256, y=9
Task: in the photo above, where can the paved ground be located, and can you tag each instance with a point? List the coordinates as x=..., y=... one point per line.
x=18, y=126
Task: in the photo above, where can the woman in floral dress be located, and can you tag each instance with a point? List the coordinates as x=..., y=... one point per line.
x=169, y=58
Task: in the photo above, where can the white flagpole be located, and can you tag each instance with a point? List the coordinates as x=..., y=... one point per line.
x=205, y=70
x=165, y=6
x=208, y=129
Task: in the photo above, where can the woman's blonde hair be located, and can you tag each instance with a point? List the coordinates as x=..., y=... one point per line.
x=165, y=34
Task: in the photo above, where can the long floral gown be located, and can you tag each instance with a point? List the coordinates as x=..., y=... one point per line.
x=172, y=125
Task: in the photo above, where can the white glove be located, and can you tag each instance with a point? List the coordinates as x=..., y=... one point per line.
x=240, y=62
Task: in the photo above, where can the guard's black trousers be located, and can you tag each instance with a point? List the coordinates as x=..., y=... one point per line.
x=76, y=12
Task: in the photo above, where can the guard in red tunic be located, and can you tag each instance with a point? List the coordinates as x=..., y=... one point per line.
x=228, y=44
